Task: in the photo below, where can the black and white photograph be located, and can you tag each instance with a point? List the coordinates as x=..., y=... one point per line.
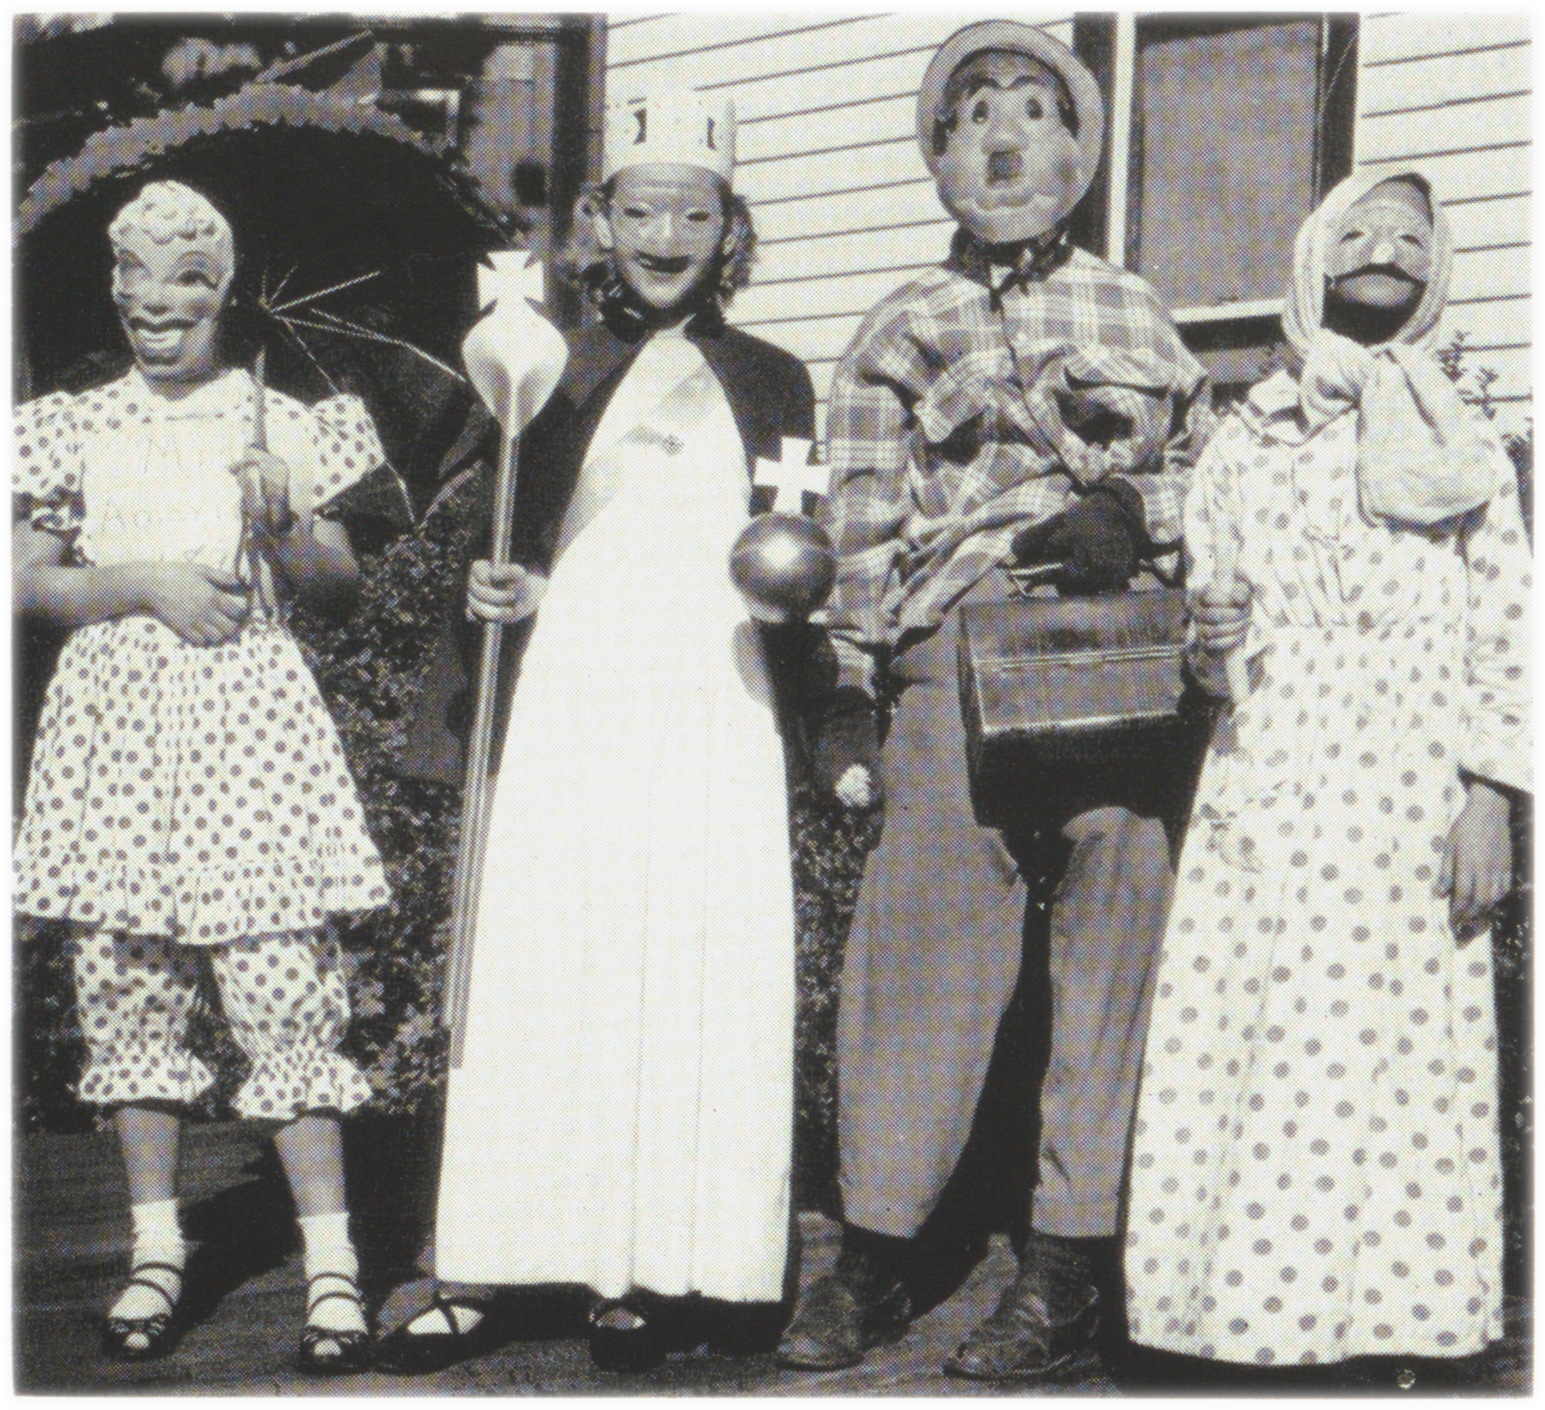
x=812, y=704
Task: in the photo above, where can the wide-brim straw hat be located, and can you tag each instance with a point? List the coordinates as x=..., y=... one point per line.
x=1022, y=39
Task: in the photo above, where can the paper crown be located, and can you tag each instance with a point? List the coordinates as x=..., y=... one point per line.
x=671, y=125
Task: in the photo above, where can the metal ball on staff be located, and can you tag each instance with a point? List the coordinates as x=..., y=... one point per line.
x=784, y=566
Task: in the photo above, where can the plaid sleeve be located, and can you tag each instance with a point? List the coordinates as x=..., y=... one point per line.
x=869, y=436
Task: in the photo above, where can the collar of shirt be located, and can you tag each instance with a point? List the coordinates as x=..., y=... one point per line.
x=999, y=268
x=1272, y=408
x=632, y=320
x=220, y=396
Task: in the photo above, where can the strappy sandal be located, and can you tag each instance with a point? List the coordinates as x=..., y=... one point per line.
x=325, y=1351
x=623, y=1337
x=144, y=1338
x=407, y=1353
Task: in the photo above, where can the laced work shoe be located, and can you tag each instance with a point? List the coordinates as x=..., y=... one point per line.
x=1045, y=1319
x=860, y=1304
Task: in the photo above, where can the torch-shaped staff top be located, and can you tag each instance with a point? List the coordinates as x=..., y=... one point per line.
x=515, y=358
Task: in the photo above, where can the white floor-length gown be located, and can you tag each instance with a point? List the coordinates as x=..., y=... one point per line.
x=622, y=1117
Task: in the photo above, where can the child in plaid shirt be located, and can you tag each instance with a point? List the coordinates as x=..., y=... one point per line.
x=1024, y=400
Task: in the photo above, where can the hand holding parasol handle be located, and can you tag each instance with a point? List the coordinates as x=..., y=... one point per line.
x=514, y=358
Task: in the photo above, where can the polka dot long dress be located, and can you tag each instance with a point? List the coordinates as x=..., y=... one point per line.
x=1316, y=1171
x=195, y=792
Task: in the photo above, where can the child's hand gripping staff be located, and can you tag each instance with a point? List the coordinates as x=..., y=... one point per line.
x=514, y=357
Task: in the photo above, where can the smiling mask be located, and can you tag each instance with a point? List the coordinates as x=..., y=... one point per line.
x=1381, y=250
x=173, y=261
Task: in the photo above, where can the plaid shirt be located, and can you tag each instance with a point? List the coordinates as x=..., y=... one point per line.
x=952, y=424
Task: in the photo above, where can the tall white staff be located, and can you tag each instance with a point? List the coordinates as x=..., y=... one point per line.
x=514, y=358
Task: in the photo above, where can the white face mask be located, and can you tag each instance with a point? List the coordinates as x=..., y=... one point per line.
x=1011, y=168
x=170, y=296
x=1381, y=252
x=666, y=225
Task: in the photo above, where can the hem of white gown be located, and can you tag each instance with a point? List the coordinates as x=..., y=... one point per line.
x=503, y=1275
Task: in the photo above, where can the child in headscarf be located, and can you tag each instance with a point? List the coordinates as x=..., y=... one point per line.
x=1316, y=1168
x=189, y=810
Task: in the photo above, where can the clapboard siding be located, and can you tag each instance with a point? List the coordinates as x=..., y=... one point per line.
x=1458, y=78
x=1453, y=93
x=1397, y=38
x=827, y=155
x=1485, y=224
x=846, y=211
x=1483, y=124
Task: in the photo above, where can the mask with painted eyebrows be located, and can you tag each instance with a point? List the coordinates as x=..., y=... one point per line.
x=1009, y=170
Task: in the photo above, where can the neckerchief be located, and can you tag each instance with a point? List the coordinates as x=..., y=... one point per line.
x=1420, y=458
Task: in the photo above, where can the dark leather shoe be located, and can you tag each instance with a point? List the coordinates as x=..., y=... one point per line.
x=1045, y=1319
x=855, y=1307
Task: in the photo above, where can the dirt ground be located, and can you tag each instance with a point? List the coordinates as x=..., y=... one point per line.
x=245, y=1300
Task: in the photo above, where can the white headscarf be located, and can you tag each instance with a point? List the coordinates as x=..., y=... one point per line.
x=1420, y=458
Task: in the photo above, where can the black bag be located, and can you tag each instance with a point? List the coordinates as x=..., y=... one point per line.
x=1064, y=696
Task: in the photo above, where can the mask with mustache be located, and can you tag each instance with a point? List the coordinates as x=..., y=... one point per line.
x=1010, y=170
x=1380, y=254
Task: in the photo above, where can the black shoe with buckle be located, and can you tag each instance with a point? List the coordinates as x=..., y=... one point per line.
x=328, y=1351
x=146, y=1338
x=1045, y=1319
x=860, y=1304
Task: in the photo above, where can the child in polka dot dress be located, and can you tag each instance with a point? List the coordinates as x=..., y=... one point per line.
x=188, y=806
x=1316, y=1170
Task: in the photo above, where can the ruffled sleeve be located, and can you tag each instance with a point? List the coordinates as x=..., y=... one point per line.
x=1497, y=743
x=347, y=447
x=46, y=466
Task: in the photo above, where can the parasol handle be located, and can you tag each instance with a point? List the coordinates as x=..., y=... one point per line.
x=477, y=795
x=259, y=401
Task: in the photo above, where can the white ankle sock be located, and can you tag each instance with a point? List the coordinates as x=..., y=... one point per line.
x=330, y=1250
x=157, y=1239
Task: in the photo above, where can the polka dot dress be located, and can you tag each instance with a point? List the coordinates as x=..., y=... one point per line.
x=199, y=793
x=1315, y=1169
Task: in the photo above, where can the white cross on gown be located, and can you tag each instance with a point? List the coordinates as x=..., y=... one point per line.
x=623, y=1114
x=791, y=477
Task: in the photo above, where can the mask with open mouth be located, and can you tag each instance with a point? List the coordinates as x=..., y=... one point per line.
x=666, y=224
x=172, y=267
x=1380, y=253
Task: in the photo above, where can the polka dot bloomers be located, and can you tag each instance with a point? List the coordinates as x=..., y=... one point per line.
x=1316, y=1172
x=284, y=998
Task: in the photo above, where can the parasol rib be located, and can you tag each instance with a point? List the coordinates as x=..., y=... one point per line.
x=323, y=293
x=334, y=324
